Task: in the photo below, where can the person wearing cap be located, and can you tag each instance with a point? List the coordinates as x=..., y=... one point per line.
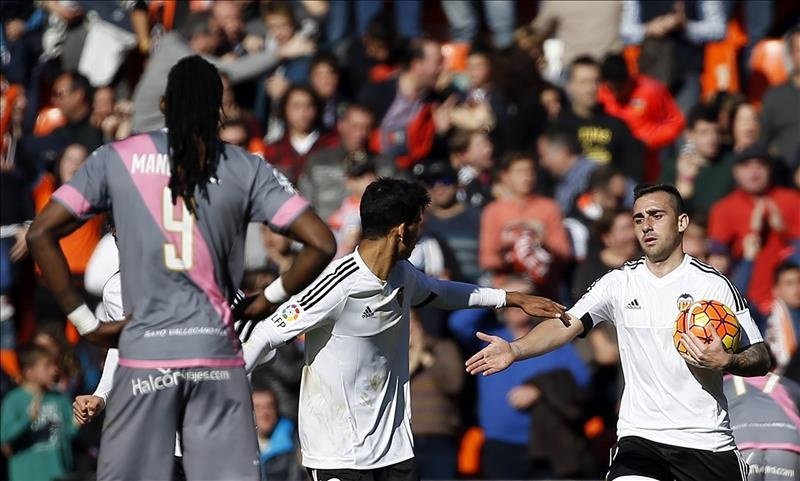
x=453, y=222
x=345, y=222
x=645, y=105
x=702, y=171
x=756, y=206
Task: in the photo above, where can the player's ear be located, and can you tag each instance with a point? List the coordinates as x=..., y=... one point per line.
x=683, y=222
x=162, y=105
x=401, y=231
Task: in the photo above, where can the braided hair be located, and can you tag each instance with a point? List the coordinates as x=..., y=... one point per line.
x=193, y=100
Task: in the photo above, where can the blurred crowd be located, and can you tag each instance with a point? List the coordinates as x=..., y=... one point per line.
x=529, y=123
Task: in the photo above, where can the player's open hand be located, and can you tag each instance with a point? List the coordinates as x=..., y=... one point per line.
x=538, y=306
x=705, y=352
x=493, y=358
x=87, y=407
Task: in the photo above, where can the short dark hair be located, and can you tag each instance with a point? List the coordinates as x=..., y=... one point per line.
x=79, y=82
x=387, y=203
x=605, y=223
x=353, y=106
x=784, y=267
x=30, y=354
x=615, y=69
x=515, y=156
x=701, y=112
x=601, y=177
x=563, y=136
x=281, y=7
x=325, y=58
x=415, y=50
x=642, y=190
x=582, y=61
x=458, y=141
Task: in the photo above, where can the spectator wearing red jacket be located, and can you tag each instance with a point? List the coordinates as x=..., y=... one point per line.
x=301, y=112
x=645, y=105
x=778, y=226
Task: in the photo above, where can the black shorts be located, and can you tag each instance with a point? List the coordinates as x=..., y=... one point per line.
x=635, y=456
x=403, y=471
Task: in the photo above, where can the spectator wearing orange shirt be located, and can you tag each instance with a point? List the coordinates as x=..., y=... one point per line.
x=523, y=233
x=778, y=226
x=79, y=245
x=645, y=105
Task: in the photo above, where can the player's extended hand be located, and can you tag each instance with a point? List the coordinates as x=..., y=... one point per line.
x=493, y=358
x=707, y=353
x=87, y=407
x=538, y=306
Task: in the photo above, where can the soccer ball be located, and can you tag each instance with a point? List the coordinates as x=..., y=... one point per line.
x=703, y=316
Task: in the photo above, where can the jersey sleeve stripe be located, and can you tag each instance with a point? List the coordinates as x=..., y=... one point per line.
x=322, y=283
x=73, y=200
x=427, y=300
x=741, y=303
x=339, y=279
x=289, y=211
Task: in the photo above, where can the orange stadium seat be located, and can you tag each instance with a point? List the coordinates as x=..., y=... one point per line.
x=767, y=66
x=455, y=56
x=469, y=452
x=49, y=119
x=720, y=69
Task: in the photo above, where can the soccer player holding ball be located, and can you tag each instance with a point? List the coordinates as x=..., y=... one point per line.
x=673, y=421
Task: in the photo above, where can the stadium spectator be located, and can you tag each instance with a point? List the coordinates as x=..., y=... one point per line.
x=346, y=220
x=300, y=112
x=483, y=105
x=780, y=119
x=672, y=36
x=603, y=138
x=228, y=23
x=783, y=322
x=437, y=378
x=560, y=155
x=452, y=222
x=523, y=234
x=472, y=156
x=36, y=426
x=645, y=105
x=745, y=127
x=102, y=106
x=323, y=179
x=504, y=399
x=375, y=55
x=779, y=220
x=73, y=95
x=198, y=38
x=616, y=245
x=584, y=27
x=324, y=74
x=277, y=439
x=608, y=191
x=465, y=22
x=404, y=106
x=702, y=171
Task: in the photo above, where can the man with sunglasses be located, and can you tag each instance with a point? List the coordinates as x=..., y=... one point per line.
x=450, y=221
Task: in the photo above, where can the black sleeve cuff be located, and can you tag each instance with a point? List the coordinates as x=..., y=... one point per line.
x=588, y=324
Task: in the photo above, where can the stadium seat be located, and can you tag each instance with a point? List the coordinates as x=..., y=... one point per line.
x=720, y=69
x=469, y=452
x=455, y=56
x=49, y=119
x=767, y=66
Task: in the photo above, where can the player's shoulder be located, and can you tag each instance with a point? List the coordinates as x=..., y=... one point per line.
x=706, y=271
x=337, y=281
x=707, y=275
x=632, y=266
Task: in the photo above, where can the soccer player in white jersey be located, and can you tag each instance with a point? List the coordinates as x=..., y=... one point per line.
x=354, y=417
x=673, y=421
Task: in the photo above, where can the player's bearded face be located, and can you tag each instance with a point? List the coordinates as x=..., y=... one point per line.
x=657, y=226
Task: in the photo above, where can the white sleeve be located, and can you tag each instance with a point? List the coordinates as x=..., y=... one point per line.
x=112, y=298
x=726, y=293
x=596, y=302
x=103, y=263
x=313, y=307
x=107, y=378
x=452, y=295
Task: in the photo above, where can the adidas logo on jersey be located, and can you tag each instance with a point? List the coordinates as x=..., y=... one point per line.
x=367, y=313
x=634, y=304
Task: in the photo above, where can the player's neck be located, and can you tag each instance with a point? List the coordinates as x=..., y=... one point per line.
x=379, y=255
x=663, y=267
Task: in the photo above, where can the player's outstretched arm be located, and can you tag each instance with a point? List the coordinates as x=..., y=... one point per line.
x=499, y=354
x=319, y=247
x=53, y=223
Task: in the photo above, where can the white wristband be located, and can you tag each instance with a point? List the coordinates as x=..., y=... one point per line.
x=275, y=292
x=83, y=319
